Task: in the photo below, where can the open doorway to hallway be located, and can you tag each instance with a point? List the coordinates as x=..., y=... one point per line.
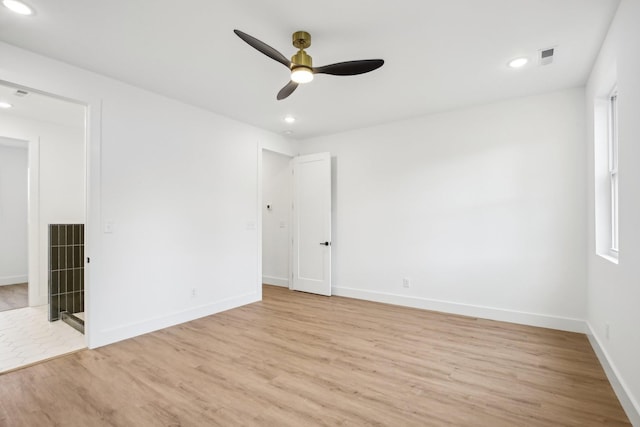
x=14, y=187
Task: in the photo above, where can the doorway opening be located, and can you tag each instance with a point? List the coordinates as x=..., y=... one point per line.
x=276, y=218
x=14, y=204
x=296, y=221
x=52, y=133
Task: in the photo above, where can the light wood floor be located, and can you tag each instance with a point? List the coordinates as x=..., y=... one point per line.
x=13, y=296
x=296, y=359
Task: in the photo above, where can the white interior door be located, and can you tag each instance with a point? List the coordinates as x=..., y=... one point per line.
x=311, y=235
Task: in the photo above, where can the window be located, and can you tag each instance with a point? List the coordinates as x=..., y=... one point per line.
x=613, y=170
x=606, y=177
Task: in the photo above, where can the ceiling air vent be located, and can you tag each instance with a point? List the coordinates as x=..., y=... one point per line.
x=546, y=56
x=21, y=93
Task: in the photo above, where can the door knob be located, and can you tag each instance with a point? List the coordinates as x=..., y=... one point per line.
x=325, y=243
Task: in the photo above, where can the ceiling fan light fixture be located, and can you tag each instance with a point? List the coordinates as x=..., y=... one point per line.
x=18, y=7
x=301, y=75
x=301, y=64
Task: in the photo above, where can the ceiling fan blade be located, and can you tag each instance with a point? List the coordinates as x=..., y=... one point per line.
x=350, y=68
x=264, y=48
x=287, y=90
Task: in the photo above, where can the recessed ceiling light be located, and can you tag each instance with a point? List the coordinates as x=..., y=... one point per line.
x=518, y=62
x=289, y=119
x=18, y=7
x=5, y=105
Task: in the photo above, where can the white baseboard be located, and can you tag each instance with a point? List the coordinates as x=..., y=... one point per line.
x=275, y=281
x=629, y=404
x=13, y=280
x=119, y=333
x=512, y=316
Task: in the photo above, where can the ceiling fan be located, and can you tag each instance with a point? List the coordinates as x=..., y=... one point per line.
x=301, y=66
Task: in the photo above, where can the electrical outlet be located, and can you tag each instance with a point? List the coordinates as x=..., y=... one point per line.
x=606, y=331
x=406, y=282
x=193, y=292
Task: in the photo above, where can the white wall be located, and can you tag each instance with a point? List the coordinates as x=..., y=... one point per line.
x=276, y=192
x=179, y=184
x=61, y=164
x=483, y=209
x=614, y=289
x=14, y=266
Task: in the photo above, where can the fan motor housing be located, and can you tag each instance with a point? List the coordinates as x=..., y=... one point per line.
x=301, y=39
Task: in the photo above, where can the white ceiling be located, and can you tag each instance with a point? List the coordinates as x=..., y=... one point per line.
x=42, y=108
x=439, y=55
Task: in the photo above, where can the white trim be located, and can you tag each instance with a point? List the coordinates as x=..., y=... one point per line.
x=259, y=185
x=92, y=216
x=276, y=281
x=610, y=258
x=612, y=145
x=38, y=290
x=492, y=313
x=629, y=404
x=109, y=336
x=13, y=280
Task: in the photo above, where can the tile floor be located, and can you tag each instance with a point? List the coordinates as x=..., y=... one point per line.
x=27, y=336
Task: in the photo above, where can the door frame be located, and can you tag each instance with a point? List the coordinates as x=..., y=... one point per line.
x=34, y=286
x=33, y=229
x=292, y=154
x=92, y=151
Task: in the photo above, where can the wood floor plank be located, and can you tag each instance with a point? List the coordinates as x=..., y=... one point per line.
x=14, y=296
x=298, y=359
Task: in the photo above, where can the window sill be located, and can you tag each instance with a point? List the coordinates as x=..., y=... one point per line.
x=609, y=257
